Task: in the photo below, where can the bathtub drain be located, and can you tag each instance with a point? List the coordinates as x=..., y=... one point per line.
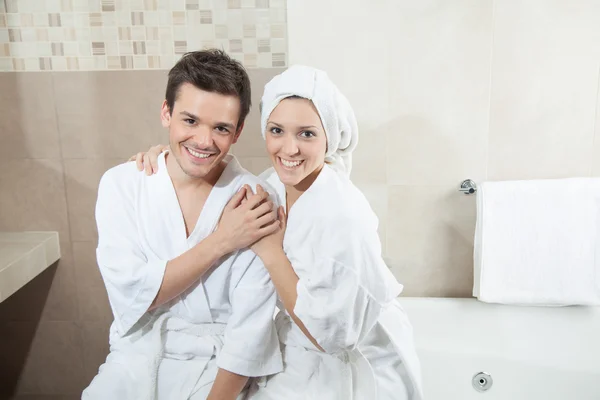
x=482, y=382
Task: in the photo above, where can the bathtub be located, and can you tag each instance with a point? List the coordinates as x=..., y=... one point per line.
x=530, y=353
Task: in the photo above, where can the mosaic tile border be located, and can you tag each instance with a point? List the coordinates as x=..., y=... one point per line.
x=65, y=35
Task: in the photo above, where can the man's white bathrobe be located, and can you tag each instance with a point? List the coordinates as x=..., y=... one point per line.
x=346, y=300
x=225, y=320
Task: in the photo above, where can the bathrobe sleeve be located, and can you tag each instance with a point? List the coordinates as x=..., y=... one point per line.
x=132, y=281
x=251, y=346
x=341, y=296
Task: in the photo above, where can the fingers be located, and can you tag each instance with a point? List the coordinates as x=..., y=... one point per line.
x=138, y=161
x=262, y=209
x=153, y=162
x=282, y=217
x=147, y=166
x=267, y=219
x=236, y=199
x=256, y=199
x=269, y=229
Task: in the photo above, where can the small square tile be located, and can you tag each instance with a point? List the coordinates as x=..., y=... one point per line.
x=124, y=33
x=98, y=48
x=112, y=33
x=279, y=60
x=250, y=60
x=249, y=31
x=179, y=33
x=152, y=33
x=125, y=48
x=180, y=46
x=262, y=3
x=165, y=18
x=40, y=19
x=28, y=35
x=32, y=64
x=126, y=62
x=235, y=46
x=59, y=64
x=150, y=5
x=13, y=20
x=96, y=34
x=95, y=19
x=14, y=35
x=233, y=4
x=123, y=18
x=84, y=49
x=108, y=5
x=42, y=49
x=12, y=6
x=6, y=64
x=263, y=31
x=191, y=4
x=45, y=63
x=140, y=62
x=264, y=60
x=264, y=46
x=151, y=18
x=55, y=35
x=4, y=50
x=165, y=34
x=112, y=48
x=109, y=19
x=153, y=62
x=70, y=49
x=58, y=49
x=54, y=19
x=278, y=45
x=153, y=47
x=81, y=20
x=66, y=5
x=221, y=32
x=278, y=31
x=166, y=62
x=114, y=62
x=277, y=16
x=26, y=20
x=138, y=33
x=67, y=19
x=206, y=17
x=250, y=46
x=19, y=64
x=137, y=18
x=2, y=20
x=72, y=63
x=42, y=34
x=248, y=3
x=139, y=48
x=76, y=34
x=163, y=48
x=179, y=18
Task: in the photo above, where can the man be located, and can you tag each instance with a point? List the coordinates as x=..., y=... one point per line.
x=193, y=314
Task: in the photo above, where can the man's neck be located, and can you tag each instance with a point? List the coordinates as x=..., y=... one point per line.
x=181, y=180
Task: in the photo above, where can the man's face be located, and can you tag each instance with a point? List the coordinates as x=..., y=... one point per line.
x=202, y=127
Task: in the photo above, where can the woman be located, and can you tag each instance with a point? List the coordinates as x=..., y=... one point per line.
x=344, y=334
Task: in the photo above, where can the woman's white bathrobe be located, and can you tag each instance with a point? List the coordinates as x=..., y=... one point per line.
x=346, y=300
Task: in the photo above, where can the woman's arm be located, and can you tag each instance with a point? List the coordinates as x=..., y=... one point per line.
x=227, y=385
x=285, y=280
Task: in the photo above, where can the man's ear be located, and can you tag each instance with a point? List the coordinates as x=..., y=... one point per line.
x=238, y=132
x=165, y=115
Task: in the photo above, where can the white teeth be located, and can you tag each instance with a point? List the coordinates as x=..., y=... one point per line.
x=290, y=164
x=196, y=154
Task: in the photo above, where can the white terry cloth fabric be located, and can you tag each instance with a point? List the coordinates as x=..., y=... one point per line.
x=347, y=301
x=225, y=320
x=333, y=107
x=537, y=242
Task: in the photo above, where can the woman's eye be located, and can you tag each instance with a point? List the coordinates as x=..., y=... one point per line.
x=276, y=130
x=307, y=134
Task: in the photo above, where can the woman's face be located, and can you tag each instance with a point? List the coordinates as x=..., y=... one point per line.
x=296, y=141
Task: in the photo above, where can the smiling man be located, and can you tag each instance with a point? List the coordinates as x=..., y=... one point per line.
x=192, y=305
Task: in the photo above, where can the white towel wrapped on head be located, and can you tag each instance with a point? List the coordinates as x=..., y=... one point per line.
x=537, y=242
x=335, y=111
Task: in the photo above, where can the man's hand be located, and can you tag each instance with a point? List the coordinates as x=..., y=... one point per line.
x=246, y=218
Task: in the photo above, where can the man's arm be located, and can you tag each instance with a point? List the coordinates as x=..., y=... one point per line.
x=240, y=225
x=227, y=385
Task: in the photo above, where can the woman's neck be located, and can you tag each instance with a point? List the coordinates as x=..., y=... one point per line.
x=293, y=193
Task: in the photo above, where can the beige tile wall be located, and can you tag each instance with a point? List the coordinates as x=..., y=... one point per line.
x=66, y=35
x=446, y=91
x=59, y=132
